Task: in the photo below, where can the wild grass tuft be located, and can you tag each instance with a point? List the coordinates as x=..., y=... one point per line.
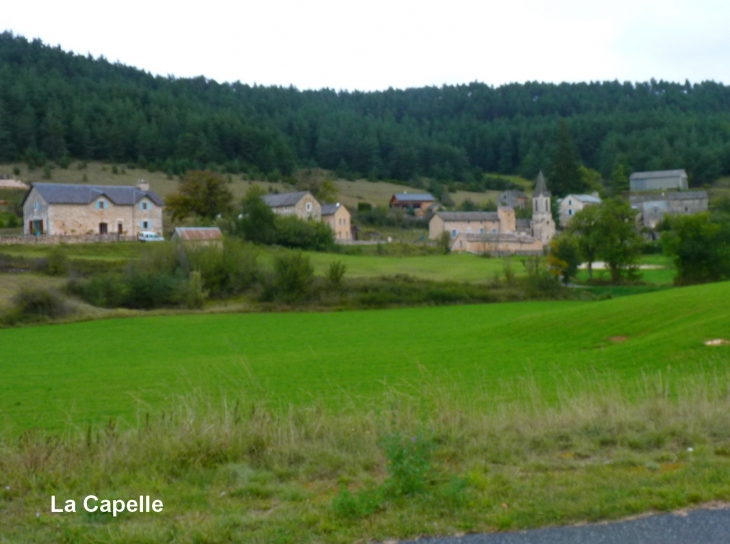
x=405, y=465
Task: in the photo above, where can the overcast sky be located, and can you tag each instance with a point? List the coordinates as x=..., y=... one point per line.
x=377, y=44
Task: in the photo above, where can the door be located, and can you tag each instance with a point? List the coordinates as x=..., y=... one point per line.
x=102, y=228
x=120, y=230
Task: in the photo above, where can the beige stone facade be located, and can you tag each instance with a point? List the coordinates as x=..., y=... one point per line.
x=301, y=204
x=499, y=232
x=338, y=218
x=46, y=212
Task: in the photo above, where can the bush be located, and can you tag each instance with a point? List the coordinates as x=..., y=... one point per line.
x=192, y=293
x=335, y=273
x=34, y=304
x=57, y=262
x=299, y=234
x=103, y=290
x=408, y=463
x=226, y=270
x=293, y=276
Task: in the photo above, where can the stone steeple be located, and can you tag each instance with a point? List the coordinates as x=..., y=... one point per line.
x=541, y=186
x=543, y=226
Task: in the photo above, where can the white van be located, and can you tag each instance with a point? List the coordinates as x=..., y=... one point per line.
x=148, y=236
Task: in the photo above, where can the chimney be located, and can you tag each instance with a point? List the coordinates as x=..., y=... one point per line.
x=143, y=185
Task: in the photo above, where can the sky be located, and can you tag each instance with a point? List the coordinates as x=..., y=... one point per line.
x=377, y=44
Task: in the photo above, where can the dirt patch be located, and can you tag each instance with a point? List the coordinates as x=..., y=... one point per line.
x=717, y=342
x=617, y=339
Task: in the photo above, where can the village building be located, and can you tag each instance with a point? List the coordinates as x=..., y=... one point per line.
x=197, y=235
x=658, y=180
x=513, y=199
x=499, y=232
x=572, y=204
x=338, y=218
x=653, y=208
x=301, y=204
x=60, y=209
x=420, y=203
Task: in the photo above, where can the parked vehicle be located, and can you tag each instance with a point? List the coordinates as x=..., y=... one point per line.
x=147, y=236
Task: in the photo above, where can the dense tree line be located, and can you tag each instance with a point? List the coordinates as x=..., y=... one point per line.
x=55, y=105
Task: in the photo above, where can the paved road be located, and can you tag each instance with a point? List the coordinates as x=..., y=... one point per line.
x=695, y=527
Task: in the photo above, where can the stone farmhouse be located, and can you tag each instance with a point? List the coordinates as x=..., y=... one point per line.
x=302, y=204
x=658, y=180
x=339, y=219
x=420, y=203
x=59, y=209
x=572, y=204
x=653, y=208
x=513, y=199
x=499, y=232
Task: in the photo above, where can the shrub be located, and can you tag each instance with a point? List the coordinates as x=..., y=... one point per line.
x=335, y=273
x=192, y=293
x=103, y=290
x=293, y=276
x=226, y=270
x=57, y=262
x=444, y=243
x=299, y=234
x=408, y=463
x=33, y=304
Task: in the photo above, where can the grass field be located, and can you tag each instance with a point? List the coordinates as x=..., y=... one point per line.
x=349, y=192
x=74, y=373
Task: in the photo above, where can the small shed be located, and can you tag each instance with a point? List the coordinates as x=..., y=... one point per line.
x=198, y=235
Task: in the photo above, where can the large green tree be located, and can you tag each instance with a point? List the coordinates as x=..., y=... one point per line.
x=699, y=246
x=618, y=241
x=583, y=226
x=564, y=175
x=203, y=194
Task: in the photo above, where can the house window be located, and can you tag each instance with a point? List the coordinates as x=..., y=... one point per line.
x=143, y=206
x=570, y=202
x=570, y=212
x=145, y=224
x=309, y=206
x=494, y=231
x=481, y=231
x=454, y=233
x=101, y=205
x=37, y=206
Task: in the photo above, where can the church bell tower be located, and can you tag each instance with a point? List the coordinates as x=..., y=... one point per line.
x=543, y=225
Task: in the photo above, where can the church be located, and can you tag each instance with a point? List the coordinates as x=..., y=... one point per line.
x=500, y=232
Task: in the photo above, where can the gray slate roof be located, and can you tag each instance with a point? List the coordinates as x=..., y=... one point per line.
x=67, y=193
x=414, y=197
x=330, y=209
x=468, y=216
x=284, y=199
x=541, y=186
x=586, y=198
x=658, y=174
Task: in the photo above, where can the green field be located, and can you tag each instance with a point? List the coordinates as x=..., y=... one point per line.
x=73, y=373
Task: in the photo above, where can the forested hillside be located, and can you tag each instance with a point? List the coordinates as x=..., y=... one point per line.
x=55, y=105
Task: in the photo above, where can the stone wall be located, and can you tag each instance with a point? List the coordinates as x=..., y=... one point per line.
x=52, y=240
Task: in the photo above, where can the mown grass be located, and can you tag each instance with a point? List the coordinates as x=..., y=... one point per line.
x=401, y=467
x=92, y=371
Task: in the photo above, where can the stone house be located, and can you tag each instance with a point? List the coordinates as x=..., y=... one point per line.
x=653, y=208
x=302, y=204
x=513, y=199
x=499, y=232
x=658, y=180
x=338, y=218
x=420, y=203
x=60, y=209
x=572, y=204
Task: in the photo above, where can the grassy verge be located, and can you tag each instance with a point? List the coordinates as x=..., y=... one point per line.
x=404, y=466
